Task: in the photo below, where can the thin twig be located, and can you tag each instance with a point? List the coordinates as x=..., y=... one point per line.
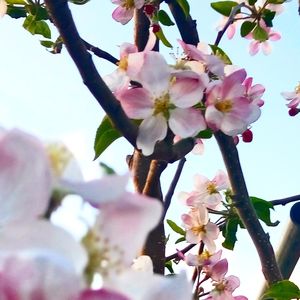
x=100, y=53
x=184, y=250
x=170, y=193
x=285, y=201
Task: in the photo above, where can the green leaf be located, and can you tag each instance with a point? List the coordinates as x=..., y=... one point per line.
x=229, y=232
x=205, y=134
x=184, y=6
x=260, y=34
x=106, y=134
x=107, y=170
x=47, y=44
x=79, y=2
x=221, y=54
x=262, y=208
x=160, y=35
x=164, y=18
x=20, y=2
x=181, y=239
x=268, y=17
x=41, y=14
x=16, y=11
x=252, y=2
x=246, y=28
x=176, y=228
x=282, y=290
x=168, y=265
x=276, y=1
x=43, y=29
x=223, y=7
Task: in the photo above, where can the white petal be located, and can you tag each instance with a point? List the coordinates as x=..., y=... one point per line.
x=151, y=130
x=25, y=177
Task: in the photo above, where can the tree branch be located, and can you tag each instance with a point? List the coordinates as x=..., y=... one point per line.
x=246, y=210
x=62, y=18
x=285, y=201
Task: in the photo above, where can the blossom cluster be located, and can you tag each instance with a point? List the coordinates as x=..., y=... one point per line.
x=39, y=260
x=199, y=229
x=196, y=93
x=294, y=100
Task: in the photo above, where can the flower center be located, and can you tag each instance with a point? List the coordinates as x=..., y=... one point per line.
x=59, y=156
x=162, y=105
x=128, y=4
x=220, y=286
x=211, y=188
x=123, y=63
x=297, y=88
x=198, y=229
x=224, y=105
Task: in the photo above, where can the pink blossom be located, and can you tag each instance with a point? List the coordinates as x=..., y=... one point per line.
x=265, y=46
x=205, y=259
x=124, y=12
x=166, y=99
x=293, y=97
x=228, y=109
x=199, y=228
x=207, y=192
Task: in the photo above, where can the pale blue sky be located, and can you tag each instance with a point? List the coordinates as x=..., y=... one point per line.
x=43, y=94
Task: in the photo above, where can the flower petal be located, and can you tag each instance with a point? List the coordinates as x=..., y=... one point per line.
x=122, y=15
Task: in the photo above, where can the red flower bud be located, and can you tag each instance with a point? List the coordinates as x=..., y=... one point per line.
x=149, y=9
x=293, y=111
x=155, y=28
x=247, y=136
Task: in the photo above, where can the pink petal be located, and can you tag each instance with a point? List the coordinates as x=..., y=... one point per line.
x=127, y=48
x=126, y=223
x=151, y=130
x=266, y=48
x=3, y=8
x=213, y=117
x=151, y=40
x=137, y=103
x=188, y=88
x=219, y=270
x=254, y=47
x=151, y=70
x=186, y=122
x=232, y=85
x=139, y=3
x=231, y=31
x=25, y=177
x=221, y=180
x=122, y=15
x=232, y=282
x=274, y=36
x=104, y=294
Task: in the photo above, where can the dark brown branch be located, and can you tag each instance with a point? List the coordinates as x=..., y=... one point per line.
x=246, y=210
x=170, y=193
x=186, y=25
x=285, y=201
x=62, y=18
x=100, y=53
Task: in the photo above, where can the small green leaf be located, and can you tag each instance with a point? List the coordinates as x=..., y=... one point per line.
x=252, y=2
x=181, y=239
x=41, y=14
x=184, y=6
x=164, y=18
x=168, y=265
x=160, y=35
x=268, y=17
x=16, y=12
x=224, y=7
x=246, y=28
x=20, y=2
x=47, y=44
x=282, y=290
x=106, y=134
x=79, y=2
x=229, y=232
x=175, y=227
x=262, y=208
x=205, y=134
x=107, y=170
x=260, y=34
x=221, y=54
x=276, y=1
x=43, y=29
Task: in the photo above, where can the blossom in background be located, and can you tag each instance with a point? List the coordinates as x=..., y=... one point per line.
x=292, y=97
x=201, y=55
x=124, y=12
x=207, y=192
x=199, y=228
x=205, y=259
x=166, y=99
x=227, y=108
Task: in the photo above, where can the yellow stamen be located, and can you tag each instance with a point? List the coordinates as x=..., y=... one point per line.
x=123, y=63
x=297, y=88
x=198, y=229
x=211, y=188
x=128, y=4
x=162, y=105
x=224, y=106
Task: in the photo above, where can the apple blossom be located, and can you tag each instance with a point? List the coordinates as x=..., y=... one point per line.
x=124, y=12
x=227, y=108
x=293, y=97
x=207, y=192
x=166, y=99
x=199, y=228
x=204, y=259
x=254, y=92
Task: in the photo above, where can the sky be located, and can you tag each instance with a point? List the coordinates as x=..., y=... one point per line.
x=43, y=94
